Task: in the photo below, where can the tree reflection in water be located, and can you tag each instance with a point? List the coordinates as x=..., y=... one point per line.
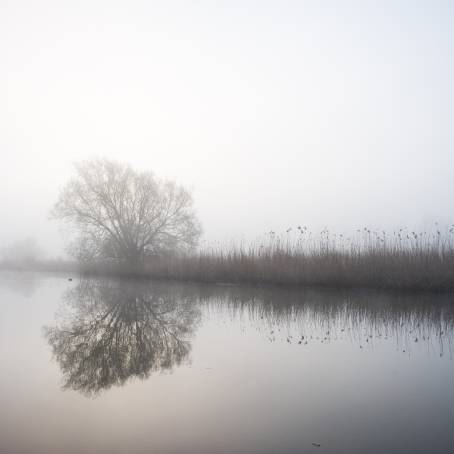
x=110, y=331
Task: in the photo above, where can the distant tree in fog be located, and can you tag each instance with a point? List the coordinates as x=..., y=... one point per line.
x=122, y=214
x=22, y=251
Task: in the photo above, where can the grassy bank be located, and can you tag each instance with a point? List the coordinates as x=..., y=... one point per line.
x=403, y=260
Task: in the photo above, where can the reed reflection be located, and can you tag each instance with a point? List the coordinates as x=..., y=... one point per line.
x=304, y=317
x=110, y=331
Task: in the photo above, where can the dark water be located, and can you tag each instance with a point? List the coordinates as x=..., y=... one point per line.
x=105, y=366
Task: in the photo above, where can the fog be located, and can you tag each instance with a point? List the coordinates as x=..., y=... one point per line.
x=275, y=113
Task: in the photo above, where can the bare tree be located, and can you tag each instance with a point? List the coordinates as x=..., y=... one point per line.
x=123, y=214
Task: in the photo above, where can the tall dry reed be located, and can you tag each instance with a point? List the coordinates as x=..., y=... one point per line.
x=403, y=259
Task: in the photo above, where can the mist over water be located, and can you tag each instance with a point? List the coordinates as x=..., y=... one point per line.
x=227, y=227
x=150, y=366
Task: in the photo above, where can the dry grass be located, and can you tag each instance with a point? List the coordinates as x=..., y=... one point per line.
x=400, y=260
x=404, y=260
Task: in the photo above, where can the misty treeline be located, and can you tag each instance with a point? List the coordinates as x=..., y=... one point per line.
x=133, y=223
x=26, y=250
x=27, y=254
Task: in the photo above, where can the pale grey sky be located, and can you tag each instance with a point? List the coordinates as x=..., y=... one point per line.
x=277, y=113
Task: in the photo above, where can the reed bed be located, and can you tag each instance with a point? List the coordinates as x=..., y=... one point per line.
x=401, y=260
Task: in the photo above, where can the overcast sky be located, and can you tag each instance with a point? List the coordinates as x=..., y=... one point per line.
x=324, y=113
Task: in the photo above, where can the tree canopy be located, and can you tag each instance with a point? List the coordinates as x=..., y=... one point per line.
x=122, y=214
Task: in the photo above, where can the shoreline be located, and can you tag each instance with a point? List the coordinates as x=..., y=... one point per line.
x=320, y=282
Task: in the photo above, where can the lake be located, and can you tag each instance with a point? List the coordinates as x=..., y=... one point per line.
x=118, y=366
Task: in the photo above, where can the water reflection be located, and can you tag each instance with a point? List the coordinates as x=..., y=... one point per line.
x=363, y=318
x=357, y=372
x=24, y=283
x=109, y=331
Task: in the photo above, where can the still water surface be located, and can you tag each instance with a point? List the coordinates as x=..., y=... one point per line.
x=116, y=366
